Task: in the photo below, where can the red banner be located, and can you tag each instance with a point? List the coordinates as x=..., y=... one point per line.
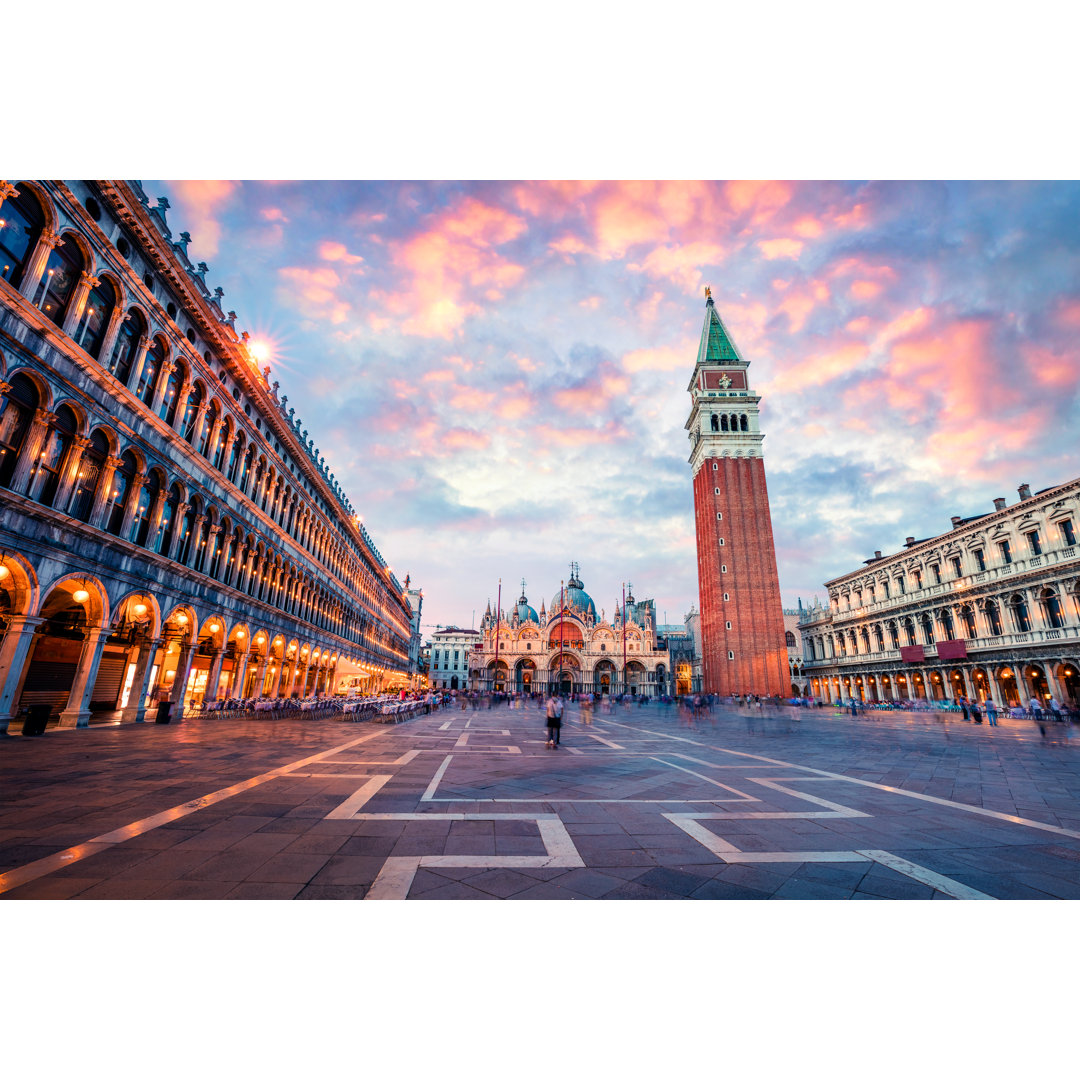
x=952, y=650
x=912, y=654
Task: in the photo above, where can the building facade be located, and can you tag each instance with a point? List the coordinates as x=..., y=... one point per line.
x=571, y=649
x=989, y=609
x=742, y=626
x=168, y=530
x=450, y=650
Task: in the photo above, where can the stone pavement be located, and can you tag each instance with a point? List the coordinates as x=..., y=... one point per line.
x=640, y=804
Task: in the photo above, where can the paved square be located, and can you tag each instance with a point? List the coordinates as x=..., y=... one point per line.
x=463, y=804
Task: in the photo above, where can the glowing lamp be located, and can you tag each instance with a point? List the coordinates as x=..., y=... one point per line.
x=5, y=573
x=80, y=596
x=182, y=619
x=139, y=609
x=215, y=627
x=239, y=633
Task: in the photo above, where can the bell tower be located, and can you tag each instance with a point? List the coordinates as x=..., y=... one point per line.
x=742, y=621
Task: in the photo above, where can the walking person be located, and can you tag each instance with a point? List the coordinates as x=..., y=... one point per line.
x=554, y=719
x=991, y=711
x=975, y=714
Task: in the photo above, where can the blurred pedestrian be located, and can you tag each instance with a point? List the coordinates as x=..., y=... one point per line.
x=554, y=719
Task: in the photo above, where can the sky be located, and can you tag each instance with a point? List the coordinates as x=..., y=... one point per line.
x=496, y=372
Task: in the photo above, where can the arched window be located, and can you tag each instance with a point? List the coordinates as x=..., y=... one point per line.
x=127, y=345
x=171, y=398
x=909, y=630
x=100, y=305
x=260, y=471
x=235, y=458
x=714, y=422
x=23, y=222
x=268, y=488
x=947, y=624
x=192, y=415
x=61, y=275
x=928, y=629
x=44, y=485
x=167, y=527
x=222, y=443
x=789, y=639
x=93, y=461
x=968, y=618
x=155, y=359
x=212, y=414
x=148, y=494
x=742, y=422
x=116, y=503
x=880, y=638
x=723, y=422
x=218, y=551
x=245, y=471
x=1052, y=609
x=1019, y=610
x=894, y=636
x=16, y=413
x=187, y=529
x=993, y=617
x=734, y=421
x=202, y=545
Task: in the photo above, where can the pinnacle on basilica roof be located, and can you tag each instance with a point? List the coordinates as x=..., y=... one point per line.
x=716, y=345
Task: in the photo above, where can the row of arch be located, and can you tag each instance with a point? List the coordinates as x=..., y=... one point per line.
x=990, y=617
x=51, y=453
x=1007, y=685
x=71, y=646
x=1040, y=534
x=729, y=422
x=565, y=673
x=51, y=268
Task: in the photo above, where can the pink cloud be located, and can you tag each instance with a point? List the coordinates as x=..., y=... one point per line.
x=334, y=251
x=317, y=289
x=781, y=248
x=201, y=200
x=451, y=265
x=866, y=290
x=680, y=263
x=273, y=213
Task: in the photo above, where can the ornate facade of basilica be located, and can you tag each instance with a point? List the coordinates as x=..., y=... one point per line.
x=568, y=647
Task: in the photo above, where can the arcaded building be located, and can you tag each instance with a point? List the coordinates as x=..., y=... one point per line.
x=169, y=531
x=988, y=609
x=742, y=623
x=570, y=648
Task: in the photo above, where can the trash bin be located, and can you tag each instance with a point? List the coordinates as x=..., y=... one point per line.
x=163, y=710
x=36, y=718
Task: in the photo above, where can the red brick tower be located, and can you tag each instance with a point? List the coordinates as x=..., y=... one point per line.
x=742, y=621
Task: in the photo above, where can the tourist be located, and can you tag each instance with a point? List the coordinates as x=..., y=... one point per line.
x=554, y=721
x=991, y=712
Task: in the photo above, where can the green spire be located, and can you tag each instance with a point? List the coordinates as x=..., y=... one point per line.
x=716, y=344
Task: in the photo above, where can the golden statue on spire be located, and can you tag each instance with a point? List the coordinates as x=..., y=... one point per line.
x=708, y=292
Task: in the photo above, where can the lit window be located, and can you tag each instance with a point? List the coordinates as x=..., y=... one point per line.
x=1034, y=542
x=1067, y=533
x=980, y=558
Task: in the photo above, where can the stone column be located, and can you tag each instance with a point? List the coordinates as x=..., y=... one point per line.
x=14, y=650
x=157, y=508
x=214, y=677
x=112, y=332
x=162, y=382
x=104, y=492
x=77, y=711
x=77, y=303
x=260, y=676
x=69, y=472
x=275, y=689
x=1056, y=690
x=196, y=534
x=135, y=710
x=35, y=265
x=183, y=671
x=31, y=450
x=236, y=688
x=178, y=525
x=137, y=484
x=305, y=663
x=215, y=432
x=137, y=364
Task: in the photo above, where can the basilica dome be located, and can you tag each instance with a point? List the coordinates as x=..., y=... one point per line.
x=574, y=597
x=526, y=613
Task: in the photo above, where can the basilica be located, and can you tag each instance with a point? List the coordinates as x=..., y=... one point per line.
x=569, y=648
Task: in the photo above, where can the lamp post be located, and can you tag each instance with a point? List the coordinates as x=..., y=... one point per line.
x=498, y=606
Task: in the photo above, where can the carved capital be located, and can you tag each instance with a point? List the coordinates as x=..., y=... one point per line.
x=114, y=462
x=43, y=416
x=51, y=239
x=89, y=280
x=4, y=387
x=8, y=191
x=182, y=509
x=81, y=442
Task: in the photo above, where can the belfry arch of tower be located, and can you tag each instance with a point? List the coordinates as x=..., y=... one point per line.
x=742, y=622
